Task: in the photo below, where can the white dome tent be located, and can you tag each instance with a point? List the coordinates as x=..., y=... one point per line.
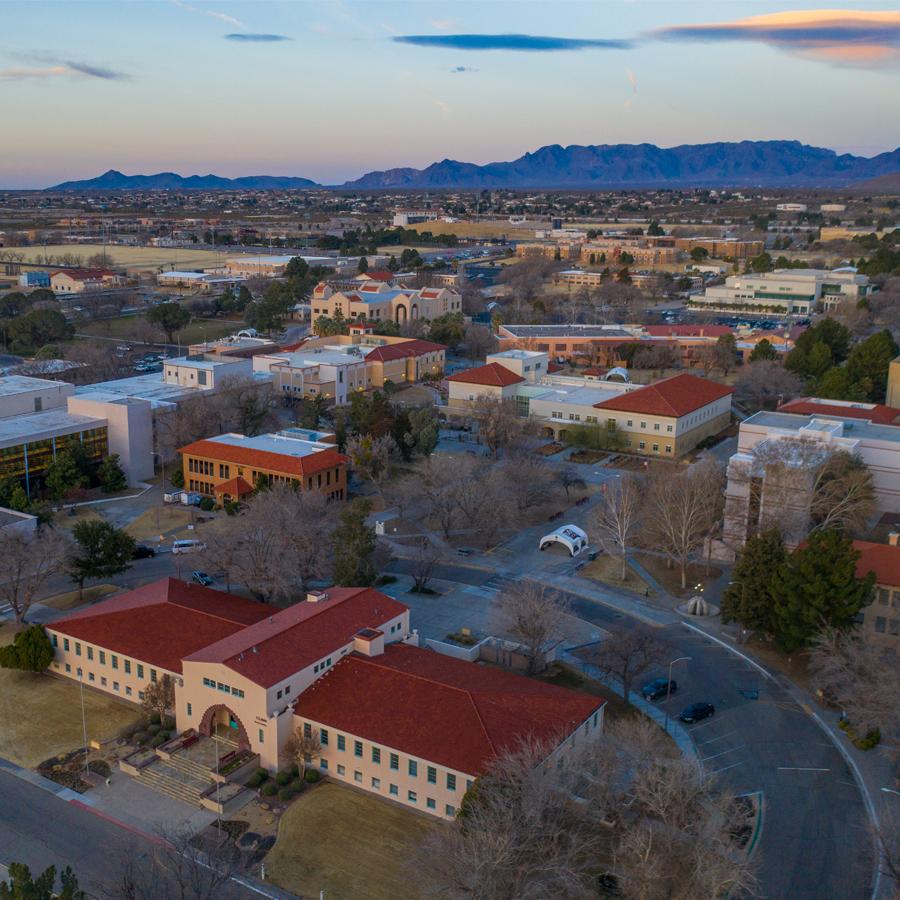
x=573, y=538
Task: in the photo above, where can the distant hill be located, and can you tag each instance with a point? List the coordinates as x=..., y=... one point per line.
x=883, y=184
x=743, y=164
x=169, y=181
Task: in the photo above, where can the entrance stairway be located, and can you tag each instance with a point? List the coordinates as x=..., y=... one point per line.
x=175, y=782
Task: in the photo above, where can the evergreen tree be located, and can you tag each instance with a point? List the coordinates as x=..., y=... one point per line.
x=354, y=546
x=30, y=651
x=64, y=474
x=102, y=551
x=748, y=599
x=763, y=350
x=868, y=362
x=817, y=586
x=23, y=886
x=363, y=265
x=110, y=474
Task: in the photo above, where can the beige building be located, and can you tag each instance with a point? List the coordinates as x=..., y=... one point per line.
x=881, y=619
x=893, y=384
x=379, y=301
x=407, y=724
x=76, y=281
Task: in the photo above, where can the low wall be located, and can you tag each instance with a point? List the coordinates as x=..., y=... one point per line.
x=457, y=651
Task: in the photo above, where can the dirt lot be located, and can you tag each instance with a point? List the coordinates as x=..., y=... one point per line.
x=151, y=524
x=70, y=599
x=40, y=715
x=607, y=570
x=348, y=844
x=196, y=331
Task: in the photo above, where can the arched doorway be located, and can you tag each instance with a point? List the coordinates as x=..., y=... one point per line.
x=220, y=718
x=400, y=315
x=548, y=432
x=414, y=313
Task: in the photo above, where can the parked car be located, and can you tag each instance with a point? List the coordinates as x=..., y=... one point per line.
x=187, y=546
x=659, y=688
x=142, y=551
x=697, y=712
x=201, y=578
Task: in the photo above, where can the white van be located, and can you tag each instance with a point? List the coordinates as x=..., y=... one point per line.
x=187, y=546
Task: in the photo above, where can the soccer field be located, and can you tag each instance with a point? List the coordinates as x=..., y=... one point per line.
x=147, y=259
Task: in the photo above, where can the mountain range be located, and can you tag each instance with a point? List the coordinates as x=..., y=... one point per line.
x=741, y=164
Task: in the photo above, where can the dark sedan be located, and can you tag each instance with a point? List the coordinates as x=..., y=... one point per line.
x=658, y=688
x=697, y=712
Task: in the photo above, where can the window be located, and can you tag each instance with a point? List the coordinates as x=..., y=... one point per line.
x=451, y=782
x=208, y=682
x=102, y=680
x=357, y=776
x=411, y=796
x=307, y=728
x=278, y=695
x=323, y=737
x=115, y=685
x=392, y=790
x=66, y=644
x=883, y=595
x=90, y=676
x=429, y=802
x=90, y=652
x=432, y=775
x=669, y=428
x=880, y=624
x=641, y=445
x=643, y=424
x=894, y=626
x=630, y=423
x=140, y=671
x=190, y=710
x=449, y=810
x=77, y=648
x=115, y=661
x=395, y=761
x=79, y=672
x=102, y=657
x=413, y=768
x=668, y=448
x=127, y=666
x=656, y=448
x=376, y=783
x=357, y=748
x=341, y=770
x=68, y=668
x=127, y=691
x=656, y=426
x=140, y=695
x=323, y=763
x=376, y=755
x=54, y=640
x=261, y=736
x=153, y=675
x=342, y=742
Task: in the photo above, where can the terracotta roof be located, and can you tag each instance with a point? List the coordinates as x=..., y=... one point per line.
x=85, y=274
x=161, y=623
x=492, y=374
x=235, y=487
x=676, y=396
x=380, y=275
x=684, y=331
x=430, y=293
x=437, y=708
x=554, y=367
x=875, y=412
x=266, y=459
x=403, y=350
x=291, y=639
x=882, y=559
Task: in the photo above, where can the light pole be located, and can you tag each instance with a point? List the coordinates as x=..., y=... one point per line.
x=743, y=632
x=83, y=718
x=669, y=685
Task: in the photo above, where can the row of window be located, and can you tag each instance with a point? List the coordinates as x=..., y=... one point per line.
x=393, y=789
x=101, y=657
x=220, y=686
x=91, y=677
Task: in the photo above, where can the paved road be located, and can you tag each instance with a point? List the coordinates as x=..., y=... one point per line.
x=40, y=830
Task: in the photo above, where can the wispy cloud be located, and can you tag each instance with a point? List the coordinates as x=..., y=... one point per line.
x=530, y=43
x=840, y=37
x=58, y=68
x=443, y=24
x=459, y=69
x=251, y=38
x=212, y=13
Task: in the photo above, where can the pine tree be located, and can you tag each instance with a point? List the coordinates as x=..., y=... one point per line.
x=748, y=599
x=354, y=545
x=64, y=474
x=817, y=586
x=110, y=474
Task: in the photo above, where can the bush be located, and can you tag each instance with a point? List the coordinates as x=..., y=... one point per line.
x=207, y=504
x=283, y=778
x=269, y=790
x=155, y=728
x=153, y=718
x=165, y=735
x=262, y=774
x=312, y=776
x=254, y=781
x=168, y=723
x=141, y=737
x=385, y=579
x=294, y=770
x=157, y=741
x=285, y=794
x=297, y=785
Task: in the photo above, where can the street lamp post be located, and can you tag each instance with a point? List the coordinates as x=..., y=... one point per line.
x=83, y=719
x=669, y=685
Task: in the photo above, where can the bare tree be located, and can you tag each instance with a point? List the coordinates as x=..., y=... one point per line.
x=534, y=615
x=437, y=485
x=371, y=456
x=682, y=509
x=568, y=479
x=528, y=480
x=843, y=495
x=855, y=674
x=617, y=517
x=247, y=405
x=424, y=558
x=479, y=340
x=765, y=383
x=159, y=696
x=629, y=655
x=302, y=747
x=481, y=501
x=498, y=423
x=27, y=563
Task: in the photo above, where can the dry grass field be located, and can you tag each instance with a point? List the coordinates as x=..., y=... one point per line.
x=348, y=844
x=147, y=259
x=40, y=715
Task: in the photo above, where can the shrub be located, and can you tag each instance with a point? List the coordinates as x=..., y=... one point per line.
x=385, y=579
x=312, y=776
x=297, y=785
x=254, y=781
x=100, y=767
x=285, y=794
x=168, y=723
x=155, y=728
x=283, y=778
x=153, y=718
x=294, y=770
x=141, y=737
x=262, y=774
x=157, y=741
x=269, y=790
x=165, y=735
x=207, y=504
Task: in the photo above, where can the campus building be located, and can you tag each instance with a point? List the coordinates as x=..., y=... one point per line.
x=381, y=301
x=77, y=281
x=881, y=619
x=229, y=466
x=405, y=723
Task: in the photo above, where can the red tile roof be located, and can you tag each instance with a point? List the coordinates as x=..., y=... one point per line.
x=85, y=274
x=454, y=713
x=554, y=367
x=676, y=396
x=161, y=623
x=380, y=275
x=292, y=639
x=882, y=559
x=403, y=350
x=234, y=487
x=492, y=374
x=875, y=412
x=267, y=459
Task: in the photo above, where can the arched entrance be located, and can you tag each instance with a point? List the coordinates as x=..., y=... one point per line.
x=400, y=315
x=414, y=314
x=220, y=718
x=548, y=432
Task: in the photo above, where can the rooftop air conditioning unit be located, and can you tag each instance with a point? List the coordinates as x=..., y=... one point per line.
x=316, y=596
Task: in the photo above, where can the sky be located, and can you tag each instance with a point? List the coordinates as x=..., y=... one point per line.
x=332, y=89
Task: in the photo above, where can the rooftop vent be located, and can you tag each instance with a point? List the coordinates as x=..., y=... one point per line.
x=316, y=596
